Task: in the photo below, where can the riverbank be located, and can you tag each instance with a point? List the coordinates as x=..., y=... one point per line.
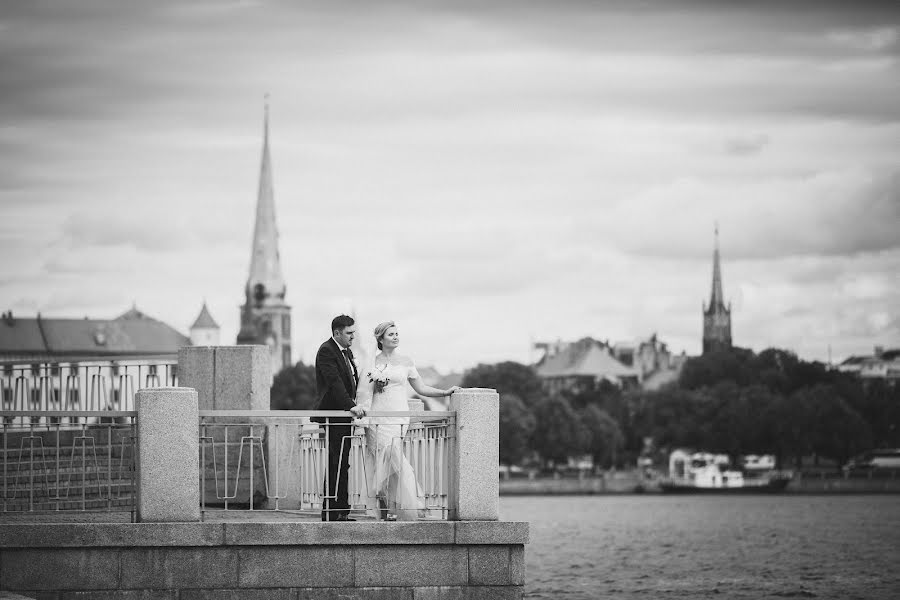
x=630, y=483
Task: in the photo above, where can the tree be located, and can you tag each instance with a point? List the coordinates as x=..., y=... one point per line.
x=604, y=437
x=730, y=364
x=516, y=427
x=294, y=388
x=838, y=432
x=507, y=378
x=560, y=433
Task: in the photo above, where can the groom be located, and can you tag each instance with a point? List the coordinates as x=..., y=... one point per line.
x=336, y=381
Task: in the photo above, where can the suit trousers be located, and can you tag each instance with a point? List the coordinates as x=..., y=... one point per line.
x=338, y=507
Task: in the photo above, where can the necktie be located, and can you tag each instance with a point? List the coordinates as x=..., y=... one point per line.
x=354, y=378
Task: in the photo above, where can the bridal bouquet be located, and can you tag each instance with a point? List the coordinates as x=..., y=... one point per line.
x=380, y=380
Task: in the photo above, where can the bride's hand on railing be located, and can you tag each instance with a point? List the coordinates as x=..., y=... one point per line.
x=358, y=412
x=452, y=389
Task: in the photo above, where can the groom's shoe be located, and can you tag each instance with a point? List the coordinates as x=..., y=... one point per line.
x=345, y=518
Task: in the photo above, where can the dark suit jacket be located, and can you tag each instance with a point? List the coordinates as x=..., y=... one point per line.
x=333, y=379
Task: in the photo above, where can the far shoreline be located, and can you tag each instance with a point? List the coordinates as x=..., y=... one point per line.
x=628, y=483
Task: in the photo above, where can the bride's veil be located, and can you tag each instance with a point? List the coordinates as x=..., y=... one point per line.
x=364, y=351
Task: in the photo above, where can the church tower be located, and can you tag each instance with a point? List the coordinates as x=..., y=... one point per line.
x=716, y=316
x=265, y=318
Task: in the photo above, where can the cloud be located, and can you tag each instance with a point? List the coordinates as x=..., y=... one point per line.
x=872, y=40
x=829, y=214
x=746, y=146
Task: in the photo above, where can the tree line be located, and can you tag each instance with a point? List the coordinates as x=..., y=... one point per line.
x=731, y=401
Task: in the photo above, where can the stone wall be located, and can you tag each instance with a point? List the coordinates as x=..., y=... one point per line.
x=260, y=560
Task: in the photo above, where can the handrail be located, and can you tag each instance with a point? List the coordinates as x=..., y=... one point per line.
x=325, y=413
x=68, y=413
x=72, y=360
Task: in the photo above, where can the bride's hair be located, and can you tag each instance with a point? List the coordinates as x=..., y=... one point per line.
x=379, y=331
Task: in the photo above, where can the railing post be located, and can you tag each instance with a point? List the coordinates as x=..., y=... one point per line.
x=168, y=466
x=476, y=489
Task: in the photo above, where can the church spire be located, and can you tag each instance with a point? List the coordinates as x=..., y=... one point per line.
x=265, y=286
x=716, y=316
x=265, y=318
x=717, y=298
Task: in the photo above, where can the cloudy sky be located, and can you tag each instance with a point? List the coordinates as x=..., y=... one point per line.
x=487, y=174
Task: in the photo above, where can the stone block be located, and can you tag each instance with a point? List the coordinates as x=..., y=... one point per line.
x=62, y=569
x=196, y=369
x=486, y=532
x=468, y=593
x=4, y=595
x=243, y=378
x=362, y=593
x=517, y=565
x=329, y=534
x=168, y=467
x=489, y=565
x=239, y=594
x=74, y=535
x=121, y=595
x=411, y=565
x=476, y=493
x=439, y=593
x=155, y=568
x=280, y=566
x=493, y=593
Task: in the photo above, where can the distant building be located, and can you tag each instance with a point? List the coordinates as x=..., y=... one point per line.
x=265, y=317
x=205, y=330
x=652, y=359
x=716, y=316
x=579, y=366
x=132, y=333
x=883, y=364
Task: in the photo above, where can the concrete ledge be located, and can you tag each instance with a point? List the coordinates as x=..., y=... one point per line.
x=74, y=535
x=491, y=532
x=283, y=560
x=275, y=533
x=322, y=533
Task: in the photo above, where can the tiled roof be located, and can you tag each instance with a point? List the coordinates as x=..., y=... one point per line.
x=204, y=320
x=585, y=357
x=131, y=333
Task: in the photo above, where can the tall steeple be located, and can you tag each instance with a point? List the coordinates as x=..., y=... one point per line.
x=265, y=284
x=265, y=318
x=716, y=316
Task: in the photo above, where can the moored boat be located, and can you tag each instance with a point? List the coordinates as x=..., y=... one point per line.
x=704, y=472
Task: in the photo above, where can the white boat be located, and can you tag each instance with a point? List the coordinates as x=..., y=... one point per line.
x=704, y=472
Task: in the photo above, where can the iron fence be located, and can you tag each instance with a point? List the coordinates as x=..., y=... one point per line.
x=50, y=464
x=278, y=460
x=89, y=384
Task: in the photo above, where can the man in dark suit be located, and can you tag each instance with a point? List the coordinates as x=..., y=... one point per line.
x=336, y=381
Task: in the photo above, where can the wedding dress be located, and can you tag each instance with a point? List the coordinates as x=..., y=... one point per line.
x=390, y=479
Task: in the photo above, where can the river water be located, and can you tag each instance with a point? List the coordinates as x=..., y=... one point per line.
x=652, y=546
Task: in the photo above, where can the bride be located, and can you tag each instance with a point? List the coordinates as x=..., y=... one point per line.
x=394, y=492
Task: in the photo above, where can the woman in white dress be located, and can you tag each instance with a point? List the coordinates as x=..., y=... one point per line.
x=394, y=493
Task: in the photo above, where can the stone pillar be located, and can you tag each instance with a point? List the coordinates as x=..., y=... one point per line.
x=476, y=490
x=168, y=467
x=227, y=377
x=232, y=378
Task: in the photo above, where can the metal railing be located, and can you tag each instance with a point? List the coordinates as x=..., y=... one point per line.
x=83, y=384
x=278, y=460
x=50, y=465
